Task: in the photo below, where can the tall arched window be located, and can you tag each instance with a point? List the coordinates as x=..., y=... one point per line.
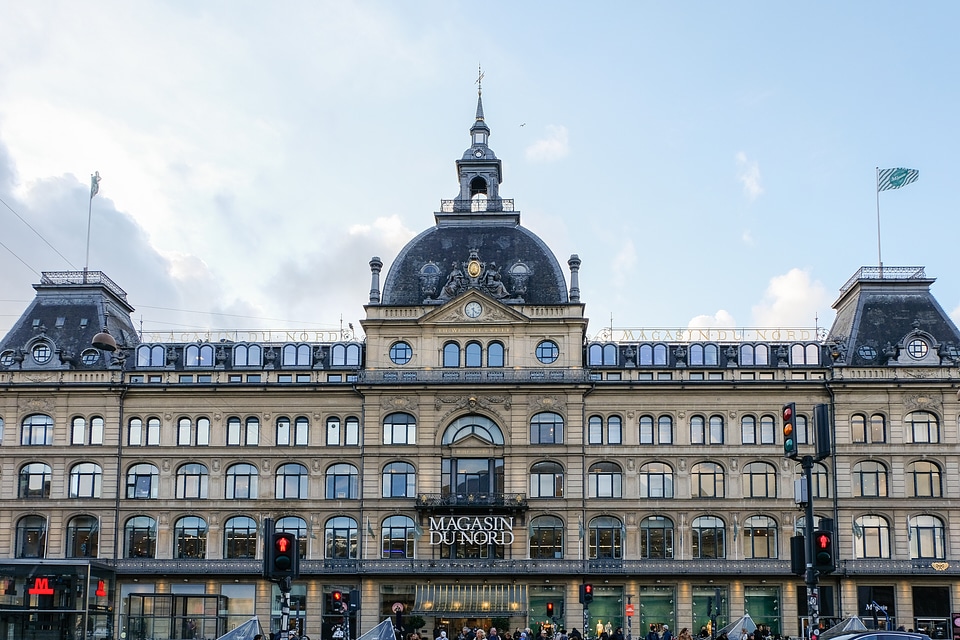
x=151, y=356
x=83, y=537
x=924, y=427
x=399, y=480
x=869, y=479
x=35, y=480
x=708, y=535
x=473, y=355
x=340, y=538
x=927, y=538
x=140, y=537
x=759, y=480
x=656, y=538
x=399, y=428
x=759, y=537
x=451, y=354
x=342, y=482
x=292, y=434
x=871, y=537
x=606, y=480
x=242, y=482
x=605, y=538
x=546, y=538
x=706, y=480
x=31, y=537
x=36, y=429
x=495, y=354
x=190, y=538
x=924, y=479
x=546, y=427
x=143, y=482
x=197, y=355
x=546, y=480
x=296, y=355
x=291, y=482
x=247, y=355
x=398, y=537
x=240, y=537
x=86, y=479
x=656, y=480
x=192, y=481
x=874, y=431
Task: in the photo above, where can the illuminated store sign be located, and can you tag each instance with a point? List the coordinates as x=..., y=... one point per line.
x=471, y=530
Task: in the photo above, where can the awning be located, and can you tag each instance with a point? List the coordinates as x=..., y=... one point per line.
x=474, y=600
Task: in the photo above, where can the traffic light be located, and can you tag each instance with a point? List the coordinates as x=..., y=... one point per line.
x=586, y=593
x=282, y=557
x=822, y=431
x=549, y=609
x=798, y=555
x=790, y=430
x=823, y=558
x=336, y=600
x=353, y=602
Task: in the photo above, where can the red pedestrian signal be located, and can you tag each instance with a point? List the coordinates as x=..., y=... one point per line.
x=283, y=556
x=823, y=557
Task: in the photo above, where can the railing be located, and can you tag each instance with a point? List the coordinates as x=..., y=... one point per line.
x=512, y=500
x=472, y=376
x=82, y=277
x=884, y=273
x=898, y=567
x=461, y=205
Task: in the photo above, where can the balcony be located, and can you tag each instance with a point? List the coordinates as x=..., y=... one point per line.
x=470, y=501
x=474, y=376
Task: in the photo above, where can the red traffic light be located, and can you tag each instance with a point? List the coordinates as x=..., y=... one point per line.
x=550, y=609
x=337, y=596
x=823, y=541
x=283, y=544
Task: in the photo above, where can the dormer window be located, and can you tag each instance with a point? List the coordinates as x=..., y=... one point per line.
x=917, y=348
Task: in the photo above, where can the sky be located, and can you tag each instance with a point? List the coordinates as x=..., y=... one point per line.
x=713, y=164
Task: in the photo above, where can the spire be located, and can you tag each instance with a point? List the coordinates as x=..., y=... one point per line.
x=479, y=94
x=479, y=132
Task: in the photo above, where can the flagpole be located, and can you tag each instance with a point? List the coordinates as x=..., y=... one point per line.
x=94, y=190
x=879, y=254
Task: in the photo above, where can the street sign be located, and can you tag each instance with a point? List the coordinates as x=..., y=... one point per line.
x=629, y=610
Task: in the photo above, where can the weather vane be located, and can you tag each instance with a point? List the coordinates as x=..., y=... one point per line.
x=479, y=79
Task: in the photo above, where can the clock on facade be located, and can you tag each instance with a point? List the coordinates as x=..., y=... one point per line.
x=473, y=309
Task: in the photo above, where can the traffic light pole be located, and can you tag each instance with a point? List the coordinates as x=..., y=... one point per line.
x=811, y=576
x=286, y=585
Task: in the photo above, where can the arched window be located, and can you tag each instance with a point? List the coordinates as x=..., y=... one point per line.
x=706, y=480
x=660, y=355
x=83, y=537
x=748, y=430
x=704, y=355
x=924, y=427
x=473, y=426
x=198, y=355
x=656, y=480
x=35, y=481
x=495, y=354
x=595, y=355
x=546, y=480
x=708, y=535
x=869, y=479
x=291, y=482
x=292, y=434
x=190, y=538
x=346, y=433
x=247, y=355
x=140, y=537
x=399, y=480
x=192, y=481
x=240, y=538
x=340, y=538
x=759, y=480
x=151, y=356
x=873, y=432
x=546, y=538
x=143, y=482
x=36, y=429
x=451, y=354
x=298, y=527
x=296, y=355
x=86, y=480
x=137, y=436
x=871, y=537
x=746, y=355
x=700, y=433
x=78, y=431
x=473, y=355
x=399, y=428
x=31, y=537
x=243, y=434
x=342, y=482
x=820, y=478
x=345, y=355
x=656, y=538
x=605, y=538
x=606, y=480
x=398, y=537
x=595, y=430
x=546, y=427
x=759, y=537
x=924, y=479
x=926, y=536
x=242, y=481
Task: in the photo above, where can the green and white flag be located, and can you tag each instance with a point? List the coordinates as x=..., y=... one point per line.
x=896, y=178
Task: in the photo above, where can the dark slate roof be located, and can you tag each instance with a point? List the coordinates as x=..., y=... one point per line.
x=505, y=244
x=877, y=309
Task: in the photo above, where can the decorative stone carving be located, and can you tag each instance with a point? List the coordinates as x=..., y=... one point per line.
x=399, y=403
x=473, y=402
x=547, y=403
x=923, y=402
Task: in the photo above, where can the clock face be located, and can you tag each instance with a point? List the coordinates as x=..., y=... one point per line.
x=478, y=153
x=473, y=309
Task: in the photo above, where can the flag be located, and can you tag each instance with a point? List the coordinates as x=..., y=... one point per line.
x=896, y=178
x=94, y=184
x=580, y=526
x=370, y=529
x=857, y=529
x=417, y=530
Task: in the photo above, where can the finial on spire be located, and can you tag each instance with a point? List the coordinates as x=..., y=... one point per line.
x=479, y=80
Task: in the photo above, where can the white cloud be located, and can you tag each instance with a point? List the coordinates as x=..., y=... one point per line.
x=554, y=146
x=748, y=173
x=791, y=300
x=746, y=237
x=720, y=320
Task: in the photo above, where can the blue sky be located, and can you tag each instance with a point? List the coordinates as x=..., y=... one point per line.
x=712, y=164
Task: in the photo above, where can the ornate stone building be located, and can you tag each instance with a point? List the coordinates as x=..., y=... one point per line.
x=475, y=458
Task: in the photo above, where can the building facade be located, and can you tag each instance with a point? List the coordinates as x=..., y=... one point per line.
x=475, y=458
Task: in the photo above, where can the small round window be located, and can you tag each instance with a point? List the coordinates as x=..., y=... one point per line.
x=400, y=353
x=41, y=352
x=6, y=358
x=90, y=356
x=548, y=351
x=867, y=352
x=917, y=348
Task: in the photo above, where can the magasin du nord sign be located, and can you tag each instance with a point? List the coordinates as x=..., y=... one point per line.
x=471, y=530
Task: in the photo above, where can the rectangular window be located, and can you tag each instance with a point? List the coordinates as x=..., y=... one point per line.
x=303, y=377
x=253, y=377
x=335, y=377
